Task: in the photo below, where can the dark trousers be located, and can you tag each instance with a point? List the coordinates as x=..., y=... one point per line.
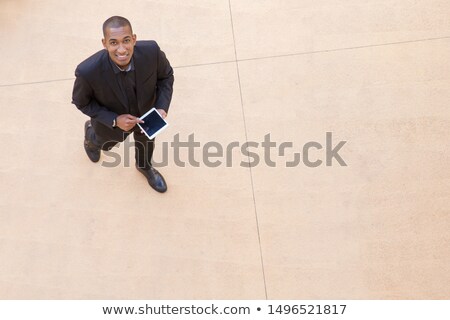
x=143, y=146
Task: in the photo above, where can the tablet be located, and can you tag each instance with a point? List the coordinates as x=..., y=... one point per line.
x=153, y=123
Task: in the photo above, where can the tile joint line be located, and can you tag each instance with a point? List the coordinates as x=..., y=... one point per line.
x=236, y=60
x=246, y=139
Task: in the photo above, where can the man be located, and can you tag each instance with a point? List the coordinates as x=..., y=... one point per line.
x=116, y=86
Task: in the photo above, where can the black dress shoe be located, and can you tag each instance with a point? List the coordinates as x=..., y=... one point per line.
x=92, y=151
x=154, y=178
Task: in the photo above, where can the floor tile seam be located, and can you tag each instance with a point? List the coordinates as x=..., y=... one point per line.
x=342, y=49
x=246, y=139
x=35, y=82
x=252, y=59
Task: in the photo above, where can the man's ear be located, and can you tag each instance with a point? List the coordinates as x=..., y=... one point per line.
x=134, y=39
x=104, y=43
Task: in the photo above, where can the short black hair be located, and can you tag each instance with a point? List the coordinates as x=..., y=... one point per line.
x=116, y=22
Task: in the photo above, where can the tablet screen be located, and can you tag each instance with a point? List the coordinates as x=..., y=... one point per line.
x=153, y=123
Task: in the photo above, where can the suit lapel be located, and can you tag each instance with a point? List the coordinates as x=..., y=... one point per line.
x=142, y=74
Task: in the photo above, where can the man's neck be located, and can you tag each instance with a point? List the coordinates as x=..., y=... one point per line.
x=127, y=68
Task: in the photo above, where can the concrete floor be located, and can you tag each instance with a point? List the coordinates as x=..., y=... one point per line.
x=374, y=73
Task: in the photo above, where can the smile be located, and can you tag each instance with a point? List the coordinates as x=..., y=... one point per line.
x=122, y=57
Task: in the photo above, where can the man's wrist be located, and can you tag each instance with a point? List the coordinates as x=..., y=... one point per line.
x=114, y=124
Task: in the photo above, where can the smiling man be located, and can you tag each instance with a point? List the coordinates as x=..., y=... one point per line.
x=116, y=86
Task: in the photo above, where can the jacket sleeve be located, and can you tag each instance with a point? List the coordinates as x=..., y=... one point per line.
x=164, y=83
x=83, y=97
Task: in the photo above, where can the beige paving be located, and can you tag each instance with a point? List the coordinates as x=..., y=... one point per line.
x=49, y=37
x=72, y=229
x=374, y=229
x=290, y=26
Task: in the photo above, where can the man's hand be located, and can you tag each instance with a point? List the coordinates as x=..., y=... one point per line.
x=162, y=113
x=126, y=122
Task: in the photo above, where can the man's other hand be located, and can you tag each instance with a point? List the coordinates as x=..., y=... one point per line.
x=162, y=113
x=126, y=122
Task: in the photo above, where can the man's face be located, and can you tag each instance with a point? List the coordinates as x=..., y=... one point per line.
x=120, y=45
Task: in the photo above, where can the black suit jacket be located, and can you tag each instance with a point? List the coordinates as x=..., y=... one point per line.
x=97, y=94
